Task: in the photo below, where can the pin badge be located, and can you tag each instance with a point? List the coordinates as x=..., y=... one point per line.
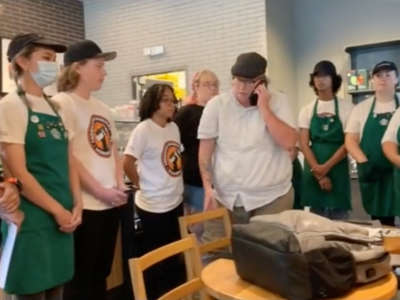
x=34, y=119
x=383, y=122
x=55, y=133
x=41, y=132
x=325, y=127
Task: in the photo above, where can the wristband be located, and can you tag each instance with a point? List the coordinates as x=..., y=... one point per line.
x=15, y=181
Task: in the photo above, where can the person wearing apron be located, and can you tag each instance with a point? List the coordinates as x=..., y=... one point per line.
x=366, y=127
x=326, y=178
x=35, y=148
x=94, y=147
x=390, y=146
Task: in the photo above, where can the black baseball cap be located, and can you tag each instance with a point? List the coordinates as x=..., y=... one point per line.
x=86, y=49
x=323, y=68
x=249, y=65
x=20, y=41
x=385, y=65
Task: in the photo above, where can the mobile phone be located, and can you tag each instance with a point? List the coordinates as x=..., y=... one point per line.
x=253, y=96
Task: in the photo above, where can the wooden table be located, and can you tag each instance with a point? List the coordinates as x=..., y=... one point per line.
x=222, y=282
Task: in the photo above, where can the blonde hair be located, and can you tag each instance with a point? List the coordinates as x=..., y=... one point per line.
x=69, y=77
x=192, y=98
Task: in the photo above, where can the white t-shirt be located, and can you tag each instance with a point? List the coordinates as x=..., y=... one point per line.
x=249, y=167
x=158, y=153
x=392, y=129
x=360, y=112
x=324, y=108
x=93, y=136
x=14, y=116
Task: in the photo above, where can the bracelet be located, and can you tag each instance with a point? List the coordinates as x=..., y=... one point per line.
x=15, y=181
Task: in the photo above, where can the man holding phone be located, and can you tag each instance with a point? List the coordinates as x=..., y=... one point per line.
x=244, y=137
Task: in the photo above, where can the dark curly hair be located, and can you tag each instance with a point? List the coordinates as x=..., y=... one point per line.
x=150, y=102
x=336, y=82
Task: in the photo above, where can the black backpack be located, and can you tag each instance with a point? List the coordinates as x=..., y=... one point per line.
x=302, y=256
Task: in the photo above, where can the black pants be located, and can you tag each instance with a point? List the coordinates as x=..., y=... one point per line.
x=160, y=229
x=388, y=221
x=51, y=294
x=94, y=252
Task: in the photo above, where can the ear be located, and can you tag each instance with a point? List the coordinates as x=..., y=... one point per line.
x=76, y=67
x=22, y=62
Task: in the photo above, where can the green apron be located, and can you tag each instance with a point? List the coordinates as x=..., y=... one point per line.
x=43, y=255
x=378, y=195
x=326, y=137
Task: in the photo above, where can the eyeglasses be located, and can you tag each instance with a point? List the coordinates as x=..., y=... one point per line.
x=384, y=74
x=245, y=81
x=209, y=84
x=169, y=101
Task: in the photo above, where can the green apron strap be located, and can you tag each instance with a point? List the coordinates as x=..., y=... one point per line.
x=336, y=107
x=315, y=107
x=22, y=94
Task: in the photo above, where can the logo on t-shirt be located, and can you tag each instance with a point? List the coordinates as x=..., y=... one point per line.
x=171, y=158
x=99, y=135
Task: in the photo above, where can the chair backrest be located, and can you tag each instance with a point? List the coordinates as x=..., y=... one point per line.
x=217, y=244
x=187, y=246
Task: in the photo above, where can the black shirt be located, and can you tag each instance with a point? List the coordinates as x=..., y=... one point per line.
x=188, y=118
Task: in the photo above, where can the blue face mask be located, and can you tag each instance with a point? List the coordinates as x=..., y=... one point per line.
x=46, y=73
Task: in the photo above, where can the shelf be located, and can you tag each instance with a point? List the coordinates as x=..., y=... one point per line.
x=366, y=91
x=372, y=46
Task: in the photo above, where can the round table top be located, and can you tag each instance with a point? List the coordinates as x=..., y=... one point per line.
x=222, y=282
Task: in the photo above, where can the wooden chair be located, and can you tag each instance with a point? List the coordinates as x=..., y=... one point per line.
x=220, y=213
x=187, y=246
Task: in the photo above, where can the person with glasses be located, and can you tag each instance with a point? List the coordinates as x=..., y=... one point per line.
x=153, y=163
x=326, y=176
x=245, y=137
x=365, y=128
x=205, y=86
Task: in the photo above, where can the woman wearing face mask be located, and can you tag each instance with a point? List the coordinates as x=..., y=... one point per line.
x=365, y=129
x=35, y=148
x=205, y=86
x=94, y=147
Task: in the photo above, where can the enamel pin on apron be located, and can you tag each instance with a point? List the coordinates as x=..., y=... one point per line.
x=55, y=133
x=34, y=119
x=384, y=122
x=325, y=127
x=41, y=132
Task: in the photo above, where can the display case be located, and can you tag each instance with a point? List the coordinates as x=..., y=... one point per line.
x=124, y=129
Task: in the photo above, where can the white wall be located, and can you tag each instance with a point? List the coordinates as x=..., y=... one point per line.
x=280, y=46
x=196, y=34
x=324, y=28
